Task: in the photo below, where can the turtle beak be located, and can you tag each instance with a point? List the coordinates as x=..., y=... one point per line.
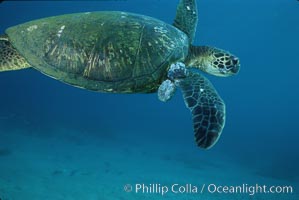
x=236, y=65
x=236, y=69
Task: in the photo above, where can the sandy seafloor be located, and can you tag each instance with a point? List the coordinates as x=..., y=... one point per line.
x=71, y=165
x=58, y=142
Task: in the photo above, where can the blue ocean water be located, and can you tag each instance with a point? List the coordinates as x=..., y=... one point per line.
x=61, y=142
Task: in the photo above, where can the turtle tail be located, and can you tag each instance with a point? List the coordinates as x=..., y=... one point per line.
x=10, y=59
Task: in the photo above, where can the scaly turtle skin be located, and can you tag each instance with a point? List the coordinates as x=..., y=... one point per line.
x=123, y=52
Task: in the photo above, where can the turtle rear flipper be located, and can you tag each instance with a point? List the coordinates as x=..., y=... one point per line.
x=207, y=108
x=186, y=18
x=10, y=59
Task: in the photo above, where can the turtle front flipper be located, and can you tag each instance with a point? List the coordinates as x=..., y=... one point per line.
x=207, y=108
x=10, y=59
x=186, y=18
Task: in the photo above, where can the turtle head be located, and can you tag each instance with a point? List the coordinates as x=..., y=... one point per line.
x=213, y=61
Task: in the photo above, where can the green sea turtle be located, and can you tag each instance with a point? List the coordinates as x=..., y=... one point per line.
x=122, y=52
